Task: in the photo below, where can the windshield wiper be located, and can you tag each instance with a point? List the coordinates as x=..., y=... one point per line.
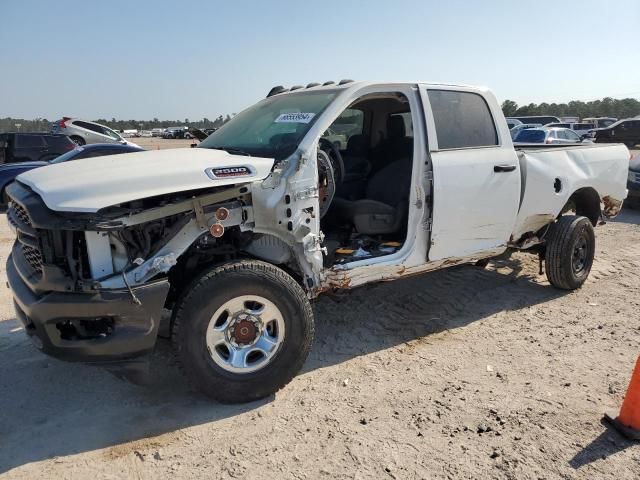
x=233, y=151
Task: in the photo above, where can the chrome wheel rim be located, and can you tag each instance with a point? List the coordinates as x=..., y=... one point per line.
x=245, y=334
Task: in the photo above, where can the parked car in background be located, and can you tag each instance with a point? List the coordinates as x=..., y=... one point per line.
x=157, y=132
x=175, y=132
x=600, y=122
x=633, y=184
x=549, y=135
x=9, y=171
x=625, y=131
x=512, y=122
x=541, y=119
x=83, y=132
x=581, y=129
x=27, y=147
x=523, y=126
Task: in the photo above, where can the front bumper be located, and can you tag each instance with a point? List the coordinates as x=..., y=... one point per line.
x=102, y=327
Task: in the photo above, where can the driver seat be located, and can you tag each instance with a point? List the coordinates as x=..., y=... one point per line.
x=384, y=210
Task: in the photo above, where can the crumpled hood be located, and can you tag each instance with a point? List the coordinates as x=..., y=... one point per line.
x=89, y=184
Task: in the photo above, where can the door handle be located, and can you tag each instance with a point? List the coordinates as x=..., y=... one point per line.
x=504, y=168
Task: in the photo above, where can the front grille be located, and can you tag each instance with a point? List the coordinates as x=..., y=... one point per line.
x=28, y=240
x=33, y=257
x=19, y=213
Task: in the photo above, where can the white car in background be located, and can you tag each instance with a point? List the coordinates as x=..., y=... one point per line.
x=83, y=132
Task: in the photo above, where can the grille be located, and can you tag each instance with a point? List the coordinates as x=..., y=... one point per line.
x=20, y=214
x=33, y=257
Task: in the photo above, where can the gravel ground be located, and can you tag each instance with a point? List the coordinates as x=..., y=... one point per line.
x=462, y=373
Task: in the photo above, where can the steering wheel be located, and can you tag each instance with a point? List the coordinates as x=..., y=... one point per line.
x=335, y=157
x=330, y=174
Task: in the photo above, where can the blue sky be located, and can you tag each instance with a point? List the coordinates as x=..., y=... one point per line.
x=144, y=59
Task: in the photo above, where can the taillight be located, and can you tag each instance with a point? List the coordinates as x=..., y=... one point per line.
x=61, y=124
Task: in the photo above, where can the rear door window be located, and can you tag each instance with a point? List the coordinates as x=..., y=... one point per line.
x=462, y=120
x=572, y=136
x=30, y=141
x=89, y=126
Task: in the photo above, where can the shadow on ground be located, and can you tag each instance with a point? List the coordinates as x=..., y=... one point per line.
x=603, y=446
x=49, y=408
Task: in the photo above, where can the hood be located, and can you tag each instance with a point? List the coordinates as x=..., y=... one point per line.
x=21, y=165
x=89, y=184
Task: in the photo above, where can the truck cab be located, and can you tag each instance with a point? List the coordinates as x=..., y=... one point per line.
x=238, y=235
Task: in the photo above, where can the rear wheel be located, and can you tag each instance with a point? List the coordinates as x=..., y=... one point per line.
x=570, y=251
x=78, y=140
x=242, y=331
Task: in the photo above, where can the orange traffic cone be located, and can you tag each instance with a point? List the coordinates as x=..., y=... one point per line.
x=628, y=422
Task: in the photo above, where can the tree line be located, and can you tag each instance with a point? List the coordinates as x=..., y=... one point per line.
x=607, y=107
x=9, y=124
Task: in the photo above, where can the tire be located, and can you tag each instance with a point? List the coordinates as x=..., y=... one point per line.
x=201, y=312
x=570, y=251
x=78, y=140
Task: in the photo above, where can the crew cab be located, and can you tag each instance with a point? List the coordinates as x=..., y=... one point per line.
x=236, y=236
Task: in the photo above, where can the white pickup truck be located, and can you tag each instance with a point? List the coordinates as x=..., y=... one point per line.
x=235, y=237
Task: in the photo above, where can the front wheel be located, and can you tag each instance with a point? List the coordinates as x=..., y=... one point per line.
x=242, y=331
x=570, y=251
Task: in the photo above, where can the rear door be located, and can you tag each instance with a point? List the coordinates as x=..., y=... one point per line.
x=476, y=174
x=29, y=147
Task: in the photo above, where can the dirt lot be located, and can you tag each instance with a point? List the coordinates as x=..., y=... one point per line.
x=464, y=373
x=155, y=143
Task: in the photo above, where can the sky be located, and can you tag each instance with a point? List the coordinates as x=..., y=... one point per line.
x=175, y=60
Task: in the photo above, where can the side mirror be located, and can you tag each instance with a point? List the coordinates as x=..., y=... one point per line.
x=194, y=145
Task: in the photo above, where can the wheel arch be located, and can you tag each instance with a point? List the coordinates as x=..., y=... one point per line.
x=586, y=203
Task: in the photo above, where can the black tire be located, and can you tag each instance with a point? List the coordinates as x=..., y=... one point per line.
x=569, y=253
x=209, y=292
x=78, y=140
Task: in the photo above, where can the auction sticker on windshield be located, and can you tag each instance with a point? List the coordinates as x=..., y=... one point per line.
x=295, y=117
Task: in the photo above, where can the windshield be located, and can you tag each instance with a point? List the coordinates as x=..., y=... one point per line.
x=70, y=155
x=112, y=134
x=530, y=136
x=271, y=128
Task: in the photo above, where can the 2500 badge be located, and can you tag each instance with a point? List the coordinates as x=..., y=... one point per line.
x=225, y=172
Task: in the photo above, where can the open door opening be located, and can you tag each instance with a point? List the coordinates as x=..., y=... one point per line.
x=365, y=161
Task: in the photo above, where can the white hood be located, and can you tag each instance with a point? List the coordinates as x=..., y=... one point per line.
x=90, y=184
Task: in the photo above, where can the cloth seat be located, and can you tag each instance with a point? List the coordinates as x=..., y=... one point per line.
x=384, y=210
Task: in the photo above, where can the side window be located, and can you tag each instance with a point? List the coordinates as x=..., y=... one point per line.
x=89, y=126
x=408, y=123
x=349, y=123
x=573, y=136
x=30, y=141
x=462, y=120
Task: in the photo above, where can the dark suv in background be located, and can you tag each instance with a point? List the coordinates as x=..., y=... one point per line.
x=624, y=131
x=29, y=147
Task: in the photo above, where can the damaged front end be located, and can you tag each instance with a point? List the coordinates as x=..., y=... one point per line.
x=92, y=287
